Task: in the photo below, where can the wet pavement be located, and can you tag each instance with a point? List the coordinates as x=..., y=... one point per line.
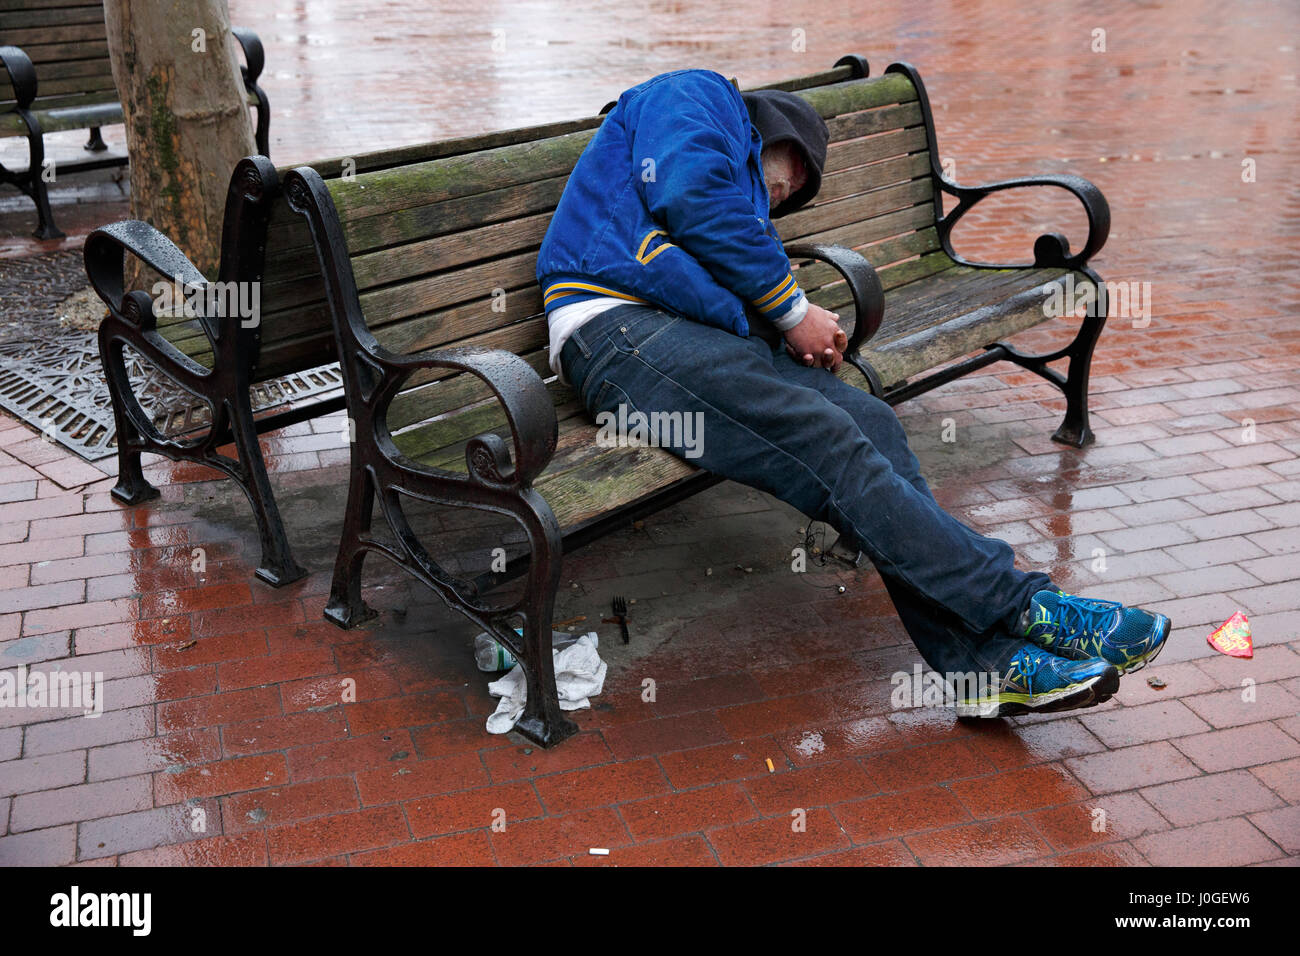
x=222, y=695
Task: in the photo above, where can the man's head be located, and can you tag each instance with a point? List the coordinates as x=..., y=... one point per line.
x=794, y=147
x=784, y=171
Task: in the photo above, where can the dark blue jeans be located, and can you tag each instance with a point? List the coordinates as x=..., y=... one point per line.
x=836, y=453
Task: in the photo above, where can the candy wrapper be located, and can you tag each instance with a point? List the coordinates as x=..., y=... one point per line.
x=1232, y=637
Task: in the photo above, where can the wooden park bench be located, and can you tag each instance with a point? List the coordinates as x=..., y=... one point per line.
x=422, y=285
x=57, y=76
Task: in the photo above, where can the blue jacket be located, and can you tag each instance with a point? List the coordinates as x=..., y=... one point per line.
x=667, y=206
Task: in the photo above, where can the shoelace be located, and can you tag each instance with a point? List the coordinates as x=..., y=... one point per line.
x=1028, y=666
x=1085, y=616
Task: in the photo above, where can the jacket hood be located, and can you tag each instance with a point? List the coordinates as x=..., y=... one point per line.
x=779, y=117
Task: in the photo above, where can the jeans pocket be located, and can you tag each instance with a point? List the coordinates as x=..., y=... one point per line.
x=608, y=399
x=645, y=328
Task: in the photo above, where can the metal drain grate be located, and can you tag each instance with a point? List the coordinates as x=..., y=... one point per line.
x=59, y=388
x=51, y=377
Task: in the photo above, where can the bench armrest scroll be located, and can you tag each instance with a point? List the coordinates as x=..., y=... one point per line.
x=251, y=44
x=527, y=404
x=864, y=284
x=104, y=264
x=22, y=75
x=1051, y=249
x=105, y=267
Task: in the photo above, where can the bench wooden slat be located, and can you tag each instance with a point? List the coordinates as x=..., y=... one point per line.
x=425, y=184
x=896, y=360
x=46, y=17
x=860, y=183
x=825, y=216
x=72, y=31
x=79, y=113
x=42, y=53
x=9, y=5
x=87, y=66
x=839, y=74
x=421, y=222
x=870, y=122
x=843, y=154
x=73, y=86
x=617, y=477
x=441, y=328
x=813, y=276
x=411, y=406
x=424, y=152
x=449, y=252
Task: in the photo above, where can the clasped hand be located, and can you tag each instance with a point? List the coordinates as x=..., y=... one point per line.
x=818, y=340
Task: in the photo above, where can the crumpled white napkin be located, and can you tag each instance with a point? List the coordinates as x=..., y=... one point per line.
x=579, y=674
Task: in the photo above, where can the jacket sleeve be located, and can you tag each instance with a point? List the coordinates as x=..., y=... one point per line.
x=697, y=132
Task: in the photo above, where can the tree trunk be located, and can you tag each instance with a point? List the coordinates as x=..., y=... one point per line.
x=187, y=123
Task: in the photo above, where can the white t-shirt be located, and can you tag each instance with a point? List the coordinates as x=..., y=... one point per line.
x=566, y=318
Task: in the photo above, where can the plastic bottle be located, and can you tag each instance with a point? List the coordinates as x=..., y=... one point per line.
x=491, y=656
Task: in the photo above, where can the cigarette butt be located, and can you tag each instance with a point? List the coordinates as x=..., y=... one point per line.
x=770, y=768
x=598, y=851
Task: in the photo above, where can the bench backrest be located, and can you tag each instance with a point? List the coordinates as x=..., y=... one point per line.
x=443, y=238
x=66, y=40
x=444, y=252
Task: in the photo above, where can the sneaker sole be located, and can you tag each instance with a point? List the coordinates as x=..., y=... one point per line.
x=1087, y=694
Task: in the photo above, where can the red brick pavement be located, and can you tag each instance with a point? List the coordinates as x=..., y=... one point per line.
x=223, y=739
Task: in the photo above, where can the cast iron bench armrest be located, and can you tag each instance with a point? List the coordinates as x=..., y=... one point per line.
x=1050, y=249
x=519, y=389
x=251, y=44
x=868, y=296
x=105, y=267
x=21, y=74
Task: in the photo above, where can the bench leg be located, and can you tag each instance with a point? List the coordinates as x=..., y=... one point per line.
x=96, y=142
x=542, y=720
x=1074, y=429
x=262, y=133
x=132, y=488
x=278, y=567
x=131, y=485
x=33, y=183
x=345, y=607
x=45, y=227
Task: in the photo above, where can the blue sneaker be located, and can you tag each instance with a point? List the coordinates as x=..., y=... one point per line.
x=1081, y=628
x=1038, y=681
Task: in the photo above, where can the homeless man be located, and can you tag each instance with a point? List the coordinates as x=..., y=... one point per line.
x=667, y=290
